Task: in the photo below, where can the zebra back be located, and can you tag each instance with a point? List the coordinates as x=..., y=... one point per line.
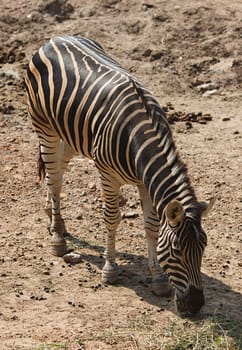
x=102, y=112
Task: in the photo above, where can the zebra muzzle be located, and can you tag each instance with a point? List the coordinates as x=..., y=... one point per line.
x=191, y=302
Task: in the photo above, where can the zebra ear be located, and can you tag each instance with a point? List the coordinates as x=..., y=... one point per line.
x=206, y=207
x=174, y=212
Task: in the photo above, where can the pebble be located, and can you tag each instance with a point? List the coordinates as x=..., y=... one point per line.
x=210, y=93
x=130, y=215
x=86, y=12
x=79, y=216
x=92, y=186
x=73, y=258
x=147, y=5
x=207, y=86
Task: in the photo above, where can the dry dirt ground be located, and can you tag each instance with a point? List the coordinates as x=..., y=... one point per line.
x=190, y=55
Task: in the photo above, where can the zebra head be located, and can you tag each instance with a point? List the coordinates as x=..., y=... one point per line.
x=181, y=244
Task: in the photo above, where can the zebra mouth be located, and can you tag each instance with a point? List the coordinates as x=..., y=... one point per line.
x=191, y=302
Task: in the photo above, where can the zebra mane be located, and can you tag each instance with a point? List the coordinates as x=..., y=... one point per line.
x=162, y=128
x=154, y=111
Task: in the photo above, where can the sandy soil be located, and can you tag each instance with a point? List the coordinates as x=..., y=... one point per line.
x=190, y=55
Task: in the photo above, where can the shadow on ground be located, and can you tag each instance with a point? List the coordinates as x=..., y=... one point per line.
x=222, y=302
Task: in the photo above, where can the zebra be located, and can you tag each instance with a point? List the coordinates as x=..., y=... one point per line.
x=81, y=101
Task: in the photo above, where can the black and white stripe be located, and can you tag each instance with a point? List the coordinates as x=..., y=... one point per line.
x=83, y=101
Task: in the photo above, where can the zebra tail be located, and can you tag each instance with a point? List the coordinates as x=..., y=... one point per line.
x=41, y=167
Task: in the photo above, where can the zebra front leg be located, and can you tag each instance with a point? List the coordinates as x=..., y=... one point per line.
x=160, y=283
x=112, y=219
x=110, y=269
x=51, y=155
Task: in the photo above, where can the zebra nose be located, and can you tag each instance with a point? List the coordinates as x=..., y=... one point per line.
x=191, y=302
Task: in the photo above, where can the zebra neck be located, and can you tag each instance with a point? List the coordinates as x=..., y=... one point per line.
x=165, y=176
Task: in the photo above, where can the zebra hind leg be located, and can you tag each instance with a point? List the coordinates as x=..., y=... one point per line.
x=112, y=219
x=160, y=283
x=51, y=153
x=42, y=175
x=66, y=153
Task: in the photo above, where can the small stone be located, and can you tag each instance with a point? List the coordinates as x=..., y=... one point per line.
x=130, y=215
x=160, y=17
x=207, y=86
x=72, y=258
x=46, y=272
x=79, y=216
x=86, y=12
x=210, y=93
x=147, y=5
x=92, y=186
x=207, y=117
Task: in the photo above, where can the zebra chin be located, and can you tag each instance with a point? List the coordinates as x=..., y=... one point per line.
x=190, y=302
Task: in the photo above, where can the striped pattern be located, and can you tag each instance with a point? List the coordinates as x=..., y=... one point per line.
x=98, y=109
x=189, y=241
x=81, y=96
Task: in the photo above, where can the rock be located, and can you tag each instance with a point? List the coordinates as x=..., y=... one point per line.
x=86, y=12
x=147, y=6
x=72, y=258
x=79, y=216
x=207, y=86
x=92, y=186
x=210, y=93
x=207, y=117
x=160, y=17
x=130, y=215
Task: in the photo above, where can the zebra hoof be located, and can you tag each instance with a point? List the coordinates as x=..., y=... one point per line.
x=109, y=273
x=61, y=229
x=58, y=246
x=160, y=286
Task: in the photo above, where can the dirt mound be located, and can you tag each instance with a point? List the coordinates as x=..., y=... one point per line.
x=61, y=9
